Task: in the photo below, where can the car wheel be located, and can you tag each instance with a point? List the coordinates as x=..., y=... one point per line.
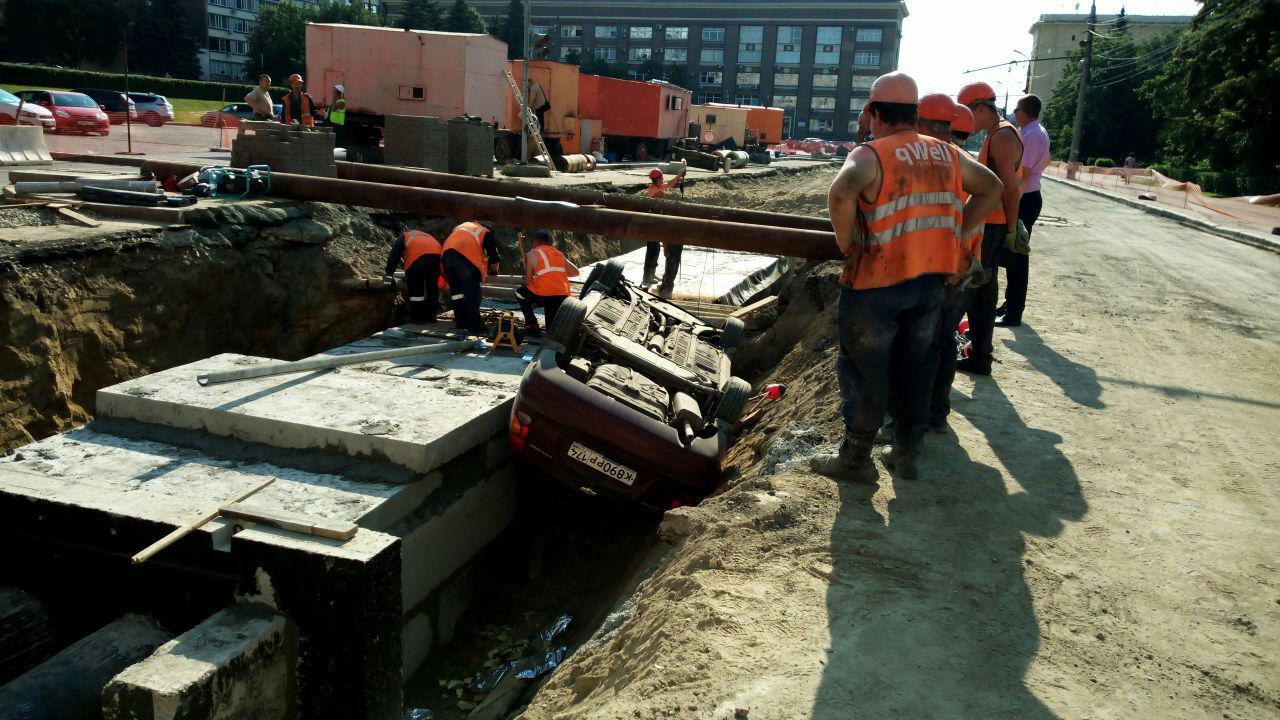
x=732, y=333
x=568, y=323
x=735, y=398
x=607, y=275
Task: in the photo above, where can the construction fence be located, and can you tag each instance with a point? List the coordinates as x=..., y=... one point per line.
x=1254, y=212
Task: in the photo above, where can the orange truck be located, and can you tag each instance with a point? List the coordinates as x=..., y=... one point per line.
x=641, y=120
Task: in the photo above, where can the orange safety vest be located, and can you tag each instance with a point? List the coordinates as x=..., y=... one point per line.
x=910, y=228
x=418, y=243
x=468, y=239
x=547, y=274
x=997, y=217
x=972, y=245
x=307, y=118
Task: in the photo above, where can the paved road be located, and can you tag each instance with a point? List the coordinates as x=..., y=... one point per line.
x=166, y=140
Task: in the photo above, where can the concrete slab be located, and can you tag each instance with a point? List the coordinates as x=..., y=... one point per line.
x=235, y=664
x=709, y=275
x=416, y=412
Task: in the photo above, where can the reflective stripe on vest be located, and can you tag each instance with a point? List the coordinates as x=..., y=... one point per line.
x=910, y=229
x=418, y=243
x=304, y=103
x=549, y=277
x=997, y=216
x=468, y=239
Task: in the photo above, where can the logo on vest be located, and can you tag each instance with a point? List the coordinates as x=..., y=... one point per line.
x=923, y=152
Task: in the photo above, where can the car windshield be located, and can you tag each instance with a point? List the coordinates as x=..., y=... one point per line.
x=8, y=97
x=70, y=100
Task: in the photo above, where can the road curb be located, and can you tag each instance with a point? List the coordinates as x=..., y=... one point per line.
x=1259, y=241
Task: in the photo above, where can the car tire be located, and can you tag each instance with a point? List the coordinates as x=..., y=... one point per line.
x=607, y=275
x=733, y=401
x=568, y=323
x=732, y=333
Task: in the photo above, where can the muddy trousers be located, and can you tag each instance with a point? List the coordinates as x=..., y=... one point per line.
x=464, y=288
x=982, y=307
x=1017, y=266
x=671, y=256
x=953, y=304
x=528, y=301
x=422, y=289
x=887, y=348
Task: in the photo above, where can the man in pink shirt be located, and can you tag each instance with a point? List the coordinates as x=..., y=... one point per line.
x=1035, y=158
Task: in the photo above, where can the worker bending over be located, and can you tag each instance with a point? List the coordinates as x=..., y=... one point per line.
x=1002, y=153
x=546, y=281
x=421, y=255
x=298, y=105
x=657, y=190
x=470, y=254
x=897, y=215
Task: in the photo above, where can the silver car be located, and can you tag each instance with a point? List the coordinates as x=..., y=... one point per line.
x=153, y=109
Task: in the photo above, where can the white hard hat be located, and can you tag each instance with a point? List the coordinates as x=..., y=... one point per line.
x=340, y=89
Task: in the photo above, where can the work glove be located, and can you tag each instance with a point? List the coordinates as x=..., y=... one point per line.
x=1018, y=241
x=975, y=277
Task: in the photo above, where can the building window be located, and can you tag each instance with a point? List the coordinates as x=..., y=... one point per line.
x=856, y=104
x=789, y=38
x=827, y=51
x=750, y=43
x=539, y=30
x=819, y=125
x=677, y=54
x=825, y=81
x=819, y=102
x=606, y=53
x=784, y=101
x=604, y=32
x=786, y=79
x=748, y=99
x=218, y=22
x=710, y=77
x=640, y=54
x=712, y=56
x=712, y=34
x=571, y=31
x=749, y=79
x=866, y=58
x=678, y=33
x=863, y=82
x=641, y=33
x=568, y=52
x=873, y=35
x=704, y=98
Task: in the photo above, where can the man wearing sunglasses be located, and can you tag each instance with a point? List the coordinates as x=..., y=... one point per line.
x=1002, y=153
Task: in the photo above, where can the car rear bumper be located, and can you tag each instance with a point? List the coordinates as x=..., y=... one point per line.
x=563, y=411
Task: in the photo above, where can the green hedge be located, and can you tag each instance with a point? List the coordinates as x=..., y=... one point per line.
x=1103, y=162
x=42, y=76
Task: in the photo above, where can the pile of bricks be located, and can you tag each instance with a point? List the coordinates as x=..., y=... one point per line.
x=470, y=147
x=285, y=148
x=413, y=141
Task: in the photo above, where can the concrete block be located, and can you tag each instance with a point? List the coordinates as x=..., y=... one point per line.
x=235, y=664
x=707, y=275
x=451, y=604
x=417, y=640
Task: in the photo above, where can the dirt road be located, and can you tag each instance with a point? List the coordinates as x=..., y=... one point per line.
x=1096, y=538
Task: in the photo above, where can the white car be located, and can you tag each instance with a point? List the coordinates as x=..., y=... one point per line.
x=31, y=114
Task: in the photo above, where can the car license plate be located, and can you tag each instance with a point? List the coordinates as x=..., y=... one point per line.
x=587, y=456
x=88, y=123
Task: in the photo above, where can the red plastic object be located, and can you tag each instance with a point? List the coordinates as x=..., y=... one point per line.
x=775, y=391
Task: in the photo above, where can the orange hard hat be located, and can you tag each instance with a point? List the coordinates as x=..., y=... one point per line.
x=895, y=87
x=937, y=107
x=295, y=76
x=655, y=174
x=973, y=92
x=963, y=120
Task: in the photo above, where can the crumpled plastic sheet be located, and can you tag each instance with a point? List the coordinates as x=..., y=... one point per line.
x=546, y=659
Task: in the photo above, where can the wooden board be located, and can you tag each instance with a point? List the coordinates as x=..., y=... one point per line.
x=294, y=522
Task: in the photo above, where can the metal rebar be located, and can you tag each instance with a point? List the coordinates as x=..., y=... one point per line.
x=328, y=363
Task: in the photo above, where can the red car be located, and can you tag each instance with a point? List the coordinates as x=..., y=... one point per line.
x=630, y=397
x=73, y=112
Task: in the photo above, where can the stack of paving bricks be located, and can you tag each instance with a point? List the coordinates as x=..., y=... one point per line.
x=470, y=147
x=285, y=148
x=414, y=141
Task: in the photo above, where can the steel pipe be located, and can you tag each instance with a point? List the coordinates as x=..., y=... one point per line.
x=328, y=363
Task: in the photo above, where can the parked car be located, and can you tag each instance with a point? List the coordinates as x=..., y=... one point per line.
x=231, y=115
x=72, y=112
x=113, y=103
x=630, y=396
x=153, y=109
x=32, y=114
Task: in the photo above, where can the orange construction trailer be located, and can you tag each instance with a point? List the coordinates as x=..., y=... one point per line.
x=766, y=124
x=641, y=120
x=559, y=83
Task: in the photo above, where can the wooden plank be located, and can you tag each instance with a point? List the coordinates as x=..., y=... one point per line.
x=291, y=521
x=187, y=529
x=70, y=214
x=757, y=314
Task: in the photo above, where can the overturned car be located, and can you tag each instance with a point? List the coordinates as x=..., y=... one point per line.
x=630, y=396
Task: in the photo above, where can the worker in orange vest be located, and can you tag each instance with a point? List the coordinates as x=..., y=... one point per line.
x=421, y=255
x=470, y=254
x=897, y=215
x=546, y=281
x=657, y=190
x=961, y=125
x=298, y=105
x=1002, y=153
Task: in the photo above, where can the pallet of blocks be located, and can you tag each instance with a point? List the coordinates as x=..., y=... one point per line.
x=295, y=149
x=414, y=141
x=470, y=147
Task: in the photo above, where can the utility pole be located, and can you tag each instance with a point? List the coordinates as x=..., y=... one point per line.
x=524, y=83
x=1078, y=126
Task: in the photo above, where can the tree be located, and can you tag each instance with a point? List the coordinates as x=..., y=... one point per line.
x=349, y=12
x=79, y=32
x=678, y=74
x=161, y=41
x=510, y=29
x=420, y=15
x=463, y=18
x=277, y=45
x=26, y=24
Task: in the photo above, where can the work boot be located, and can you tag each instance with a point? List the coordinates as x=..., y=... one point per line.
x=938, y=426
x=650, y=277
x=851, y=464
x=664, y=292
x=531, y=330
x=884, y=436
x=973, y=366
x=901, y=458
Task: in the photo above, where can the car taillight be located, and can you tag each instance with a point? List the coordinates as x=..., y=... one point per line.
x=518, y=431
